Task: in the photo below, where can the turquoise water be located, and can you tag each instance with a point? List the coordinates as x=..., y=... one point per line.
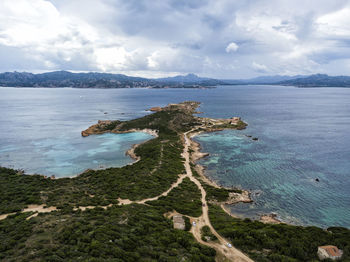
x=303, y=135
x=41, y=131
x=281, y=181
x=62, y=156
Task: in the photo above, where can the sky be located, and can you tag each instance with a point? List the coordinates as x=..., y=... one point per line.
x=154, y=38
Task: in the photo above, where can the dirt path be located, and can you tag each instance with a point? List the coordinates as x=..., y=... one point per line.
x=143, y=201
x=231, y=253
x=221, y=246
x=32, y=208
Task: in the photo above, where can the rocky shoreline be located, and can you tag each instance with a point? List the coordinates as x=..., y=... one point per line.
x=102, y=125
x=244, y=196
x=270, y=219
x=208, y=125
x=234, y=198
x=131, y=153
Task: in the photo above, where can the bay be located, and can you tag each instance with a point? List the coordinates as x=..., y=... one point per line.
x=303, y=135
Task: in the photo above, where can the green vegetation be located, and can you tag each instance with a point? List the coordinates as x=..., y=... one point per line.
x=187, y=223
x=214, y=193
x=185, y=199
x=147, y=178
x=267, y=242
x=14, y=232
x=111, y=125
x=207, y=235
x=18, y=190
x=160, y=165
x=120, y=233
x=240, y=125
x=140, y=232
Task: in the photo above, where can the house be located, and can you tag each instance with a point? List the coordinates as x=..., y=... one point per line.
x=179, y=222
x=331, y=252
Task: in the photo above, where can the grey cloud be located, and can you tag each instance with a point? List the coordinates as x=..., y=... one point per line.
x=176, y=36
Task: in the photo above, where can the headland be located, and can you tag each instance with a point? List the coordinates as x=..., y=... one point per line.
x=96, y=214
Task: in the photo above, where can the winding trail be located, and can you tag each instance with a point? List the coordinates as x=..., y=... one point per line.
x=143, y=201
x=32, y=208
x=231, y=253
x=221, y=245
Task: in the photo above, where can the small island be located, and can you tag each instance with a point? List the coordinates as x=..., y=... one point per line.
x=160, y=208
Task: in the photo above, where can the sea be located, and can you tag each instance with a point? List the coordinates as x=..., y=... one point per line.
x=299, y=168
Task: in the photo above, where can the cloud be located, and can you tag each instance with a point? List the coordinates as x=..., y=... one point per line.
x=164, y=37
x=259, y=67
x=232, y=47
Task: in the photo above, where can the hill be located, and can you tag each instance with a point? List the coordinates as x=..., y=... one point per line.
x=191, y=79
x=105, y=80
x=91, y=80
x=318, y=80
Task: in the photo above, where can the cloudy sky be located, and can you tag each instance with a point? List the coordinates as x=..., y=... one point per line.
x=215, y=38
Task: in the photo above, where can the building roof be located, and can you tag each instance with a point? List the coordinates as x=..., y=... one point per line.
x=178, y=219
x=179, y=222
x=332, y=251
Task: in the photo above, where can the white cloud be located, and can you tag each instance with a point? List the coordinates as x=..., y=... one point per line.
x=261, y=68
x=232, y=47
x=335, y=24
x=168, y=37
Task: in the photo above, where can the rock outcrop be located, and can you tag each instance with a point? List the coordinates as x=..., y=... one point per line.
x=155, y=109
x=239, y=197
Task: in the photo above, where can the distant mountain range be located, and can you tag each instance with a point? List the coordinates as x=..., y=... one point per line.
x=68, y=79
x=318, y=80
x=104, y=80
x=189, y=78
x=271, y=79
x=88, y=80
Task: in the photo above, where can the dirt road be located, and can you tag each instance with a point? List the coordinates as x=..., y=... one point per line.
x=221, y=246
x=231, y=253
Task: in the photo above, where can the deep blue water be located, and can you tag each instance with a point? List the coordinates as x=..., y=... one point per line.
x=303, y=135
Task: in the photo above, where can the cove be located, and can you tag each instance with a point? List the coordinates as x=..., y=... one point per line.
x=66, y=157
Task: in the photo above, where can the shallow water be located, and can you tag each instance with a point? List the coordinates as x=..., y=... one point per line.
x=62, y=156
x=303, y=135
x=41, y=131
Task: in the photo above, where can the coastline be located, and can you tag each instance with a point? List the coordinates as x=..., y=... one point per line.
x=244, y=197
x=130, y=152
x=197, y=155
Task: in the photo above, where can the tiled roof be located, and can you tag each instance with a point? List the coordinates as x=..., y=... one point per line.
x=332, y=250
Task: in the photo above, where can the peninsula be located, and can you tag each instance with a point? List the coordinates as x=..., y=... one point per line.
x=125, y=214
